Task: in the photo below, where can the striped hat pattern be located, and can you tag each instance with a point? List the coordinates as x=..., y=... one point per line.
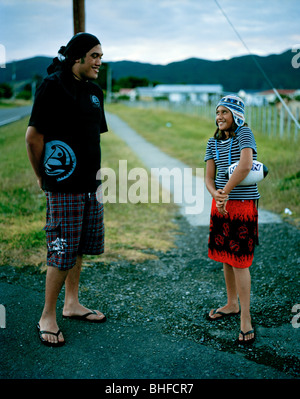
x=236, y=106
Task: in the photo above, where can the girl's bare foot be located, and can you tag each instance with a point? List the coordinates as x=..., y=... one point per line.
x=227, y=310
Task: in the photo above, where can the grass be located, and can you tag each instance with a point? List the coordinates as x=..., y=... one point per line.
x=185, y=137
x=13, y=103
x=133, y=231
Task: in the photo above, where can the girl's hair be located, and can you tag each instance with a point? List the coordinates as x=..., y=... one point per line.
x=220, y=135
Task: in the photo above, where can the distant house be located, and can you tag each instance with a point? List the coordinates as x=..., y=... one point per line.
x=195, y=93
x=252, y=98
x=266, y=97
x=130, y=93
x=145, y=93
x=270, y=96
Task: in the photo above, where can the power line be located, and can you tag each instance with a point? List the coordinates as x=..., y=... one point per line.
x=258, y=65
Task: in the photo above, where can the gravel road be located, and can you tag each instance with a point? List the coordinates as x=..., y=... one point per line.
x=171, y=295
x=156, y=313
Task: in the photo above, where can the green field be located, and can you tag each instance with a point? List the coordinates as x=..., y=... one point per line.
x=133, y=231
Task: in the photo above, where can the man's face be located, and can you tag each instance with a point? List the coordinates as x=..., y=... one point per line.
x=88, y=67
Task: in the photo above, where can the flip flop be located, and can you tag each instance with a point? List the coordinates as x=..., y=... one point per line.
x=84, y=317
x=47, y=343
x=246, y=341
x=222, y=315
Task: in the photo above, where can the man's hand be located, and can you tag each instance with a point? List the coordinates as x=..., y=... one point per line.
x=39, y=182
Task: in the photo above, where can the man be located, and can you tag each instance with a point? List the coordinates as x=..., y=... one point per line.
x=63, y=145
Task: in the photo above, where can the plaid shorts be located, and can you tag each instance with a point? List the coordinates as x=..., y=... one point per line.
x=74, y=226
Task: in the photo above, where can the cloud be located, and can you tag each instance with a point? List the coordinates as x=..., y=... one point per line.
x=34, y=27
x=152, y=31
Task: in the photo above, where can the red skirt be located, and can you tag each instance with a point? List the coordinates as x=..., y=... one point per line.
x=232, y=237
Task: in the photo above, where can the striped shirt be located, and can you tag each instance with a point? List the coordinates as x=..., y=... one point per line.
x=227, y=152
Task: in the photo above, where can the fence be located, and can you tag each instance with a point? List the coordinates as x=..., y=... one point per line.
x=271, y=120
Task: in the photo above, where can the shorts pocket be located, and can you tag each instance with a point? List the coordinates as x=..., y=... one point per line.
x=52, y=226
x=57, y=244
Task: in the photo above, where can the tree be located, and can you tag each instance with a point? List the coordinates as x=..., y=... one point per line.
x=6, y=90
x=131, y=82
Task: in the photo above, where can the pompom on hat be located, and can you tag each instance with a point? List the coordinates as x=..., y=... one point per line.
x=236, y=106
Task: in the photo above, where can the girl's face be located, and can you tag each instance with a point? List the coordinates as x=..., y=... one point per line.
x=224, y=118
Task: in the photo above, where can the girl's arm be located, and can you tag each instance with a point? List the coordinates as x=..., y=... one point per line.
x=241, y=171
x=219, y=196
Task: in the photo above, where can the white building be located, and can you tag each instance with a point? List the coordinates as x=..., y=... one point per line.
x=195, y=93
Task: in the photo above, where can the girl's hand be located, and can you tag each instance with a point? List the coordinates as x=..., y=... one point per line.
x=220, y=196
x=221, y=199
x=221, y=207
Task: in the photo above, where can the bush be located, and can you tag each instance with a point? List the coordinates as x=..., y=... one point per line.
x=5, y=90
x=24, y=95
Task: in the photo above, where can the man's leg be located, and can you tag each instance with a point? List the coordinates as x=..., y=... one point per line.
x=54, y=281
x=72, y=307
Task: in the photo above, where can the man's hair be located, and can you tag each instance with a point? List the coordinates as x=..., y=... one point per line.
x=76, y=48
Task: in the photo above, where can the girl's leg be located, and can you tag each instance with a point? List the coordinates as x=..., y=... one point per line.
x=232, y=294
x=232, y=305
x=243, y=284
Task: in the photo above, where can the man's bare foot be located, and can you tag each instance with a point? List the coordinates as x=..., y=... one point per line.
x=49, y=332
x=79, y=311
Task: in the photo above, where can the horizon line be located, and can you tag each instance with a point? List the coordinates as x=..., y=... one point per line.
x=162, y=64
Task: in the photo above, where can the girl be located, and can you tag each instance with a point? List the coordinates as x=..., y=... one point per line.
x=234, y=216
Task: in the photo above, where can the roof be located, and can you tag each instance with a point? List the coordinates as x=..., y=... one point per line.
x=280, y=91
x=192, y=88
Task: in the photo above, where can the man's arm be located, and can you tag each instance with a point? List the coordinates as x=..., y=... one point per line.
x=35, y=146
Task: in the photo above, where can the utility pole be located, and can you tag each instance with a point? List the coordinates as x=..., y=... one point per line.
x=78, y=16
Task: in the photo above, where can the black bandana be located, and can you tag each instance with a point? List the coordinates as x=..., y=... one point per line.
x=76, y=48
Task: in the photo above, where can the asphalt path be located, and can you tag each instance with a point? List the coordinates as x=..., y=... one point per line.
x=152, y=333
x=9, y=115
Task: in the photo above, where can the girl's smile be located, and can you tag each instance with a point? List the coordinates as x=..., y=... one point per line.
x=224, y=118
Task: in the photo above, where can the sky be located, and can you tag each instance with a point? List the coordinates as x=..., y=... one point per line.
x=152, y=31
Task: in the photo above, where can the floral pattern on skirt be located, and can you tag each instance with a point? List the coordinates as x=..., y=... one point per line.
x=232, y=237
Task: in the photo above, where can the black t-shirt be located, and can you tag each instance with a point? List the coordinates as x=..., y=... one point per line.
x=70, y=115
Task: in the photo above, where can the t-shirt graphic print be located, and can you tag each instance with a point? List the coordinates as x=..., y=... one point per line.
x=59, y=160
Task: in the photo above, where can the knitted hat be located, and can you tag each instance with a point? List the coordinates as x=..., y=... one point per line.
x=236, y=106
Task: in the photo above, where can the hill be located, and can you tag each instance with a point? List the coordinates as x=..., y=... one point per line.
x=234, y=74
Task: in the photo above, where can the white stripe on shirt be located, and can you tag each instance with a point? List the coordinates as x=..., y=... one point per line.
x=244, y=139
